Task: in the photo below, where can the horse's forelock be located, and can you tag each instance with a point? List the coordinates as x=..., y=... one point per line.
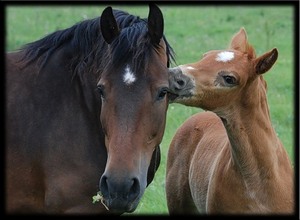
x=90, y=50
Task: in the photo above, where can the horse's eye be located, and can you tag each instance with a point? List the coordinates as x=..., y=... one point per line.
x=162, y=93
x=100, y=89
x=229, y=79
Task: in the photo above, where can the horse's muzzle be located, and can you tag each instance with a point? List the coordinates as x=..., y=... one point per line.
x=120, y=195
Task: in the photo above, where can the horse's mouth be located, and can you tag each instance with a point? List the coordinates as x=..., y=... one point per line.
x=119, y=209
x=118, y=206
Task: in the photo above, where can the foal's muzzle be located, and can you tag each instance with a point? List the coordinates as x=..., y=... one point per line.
x=180, y=85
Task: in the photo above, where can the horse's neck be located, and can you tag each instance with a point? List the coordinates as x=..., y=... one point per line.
x=76, y=83
x=252, y=137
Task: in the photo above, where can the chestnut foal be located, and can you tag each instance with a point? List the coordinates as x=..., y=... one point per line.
x=229, y=159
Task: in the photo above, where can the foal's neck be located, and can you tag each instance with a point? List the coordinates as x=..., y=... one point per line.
x=252, y=137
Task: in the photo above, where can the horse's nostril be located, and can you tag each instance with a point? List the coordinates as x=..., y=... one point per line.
x=135, y=189
x=119, y=193
x=104, y=186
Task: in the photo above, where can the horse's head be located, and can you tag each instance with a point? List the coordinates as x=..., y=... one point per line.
x=224, y=77
x=133, y=88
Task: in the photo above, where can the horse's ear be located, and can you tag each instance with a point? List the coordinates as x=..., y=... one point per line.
x=155, y=24
x=266, y=61
x=109, y=26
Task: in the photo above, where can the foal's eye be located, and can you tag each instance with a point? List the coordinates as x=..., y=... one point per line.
x=162, y=93
x=229, y=79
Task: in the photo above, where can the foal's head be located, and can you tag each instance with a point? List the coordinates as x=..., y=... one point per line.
x=223, y=78
x=133, y=88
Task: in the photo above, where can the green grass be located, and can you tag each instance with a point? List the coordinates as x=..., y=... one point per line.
x=191, y=30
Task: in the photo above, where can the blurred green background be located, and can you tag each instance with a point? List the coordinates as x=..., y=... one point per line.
x=191, y=30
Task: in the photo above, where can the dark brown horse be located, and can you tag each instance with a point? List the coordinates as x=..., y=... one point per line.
x=86, y=112
x=229, y=159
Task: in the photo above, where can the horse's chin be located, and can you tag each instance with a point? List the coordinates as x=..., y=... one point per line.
x=132, y=207
x=120, y=206
x=119, y=209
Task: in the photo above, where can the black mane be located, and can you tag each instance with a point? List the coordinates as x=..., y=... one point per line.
x=90, y=49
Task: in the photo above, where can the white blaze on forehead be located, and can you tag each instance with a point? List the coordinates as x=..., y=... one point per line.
x=128, y=76
x=225, y=56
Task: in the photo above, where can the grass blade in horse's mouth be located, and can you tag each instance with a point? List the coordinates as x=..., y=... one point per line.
x=99, y=197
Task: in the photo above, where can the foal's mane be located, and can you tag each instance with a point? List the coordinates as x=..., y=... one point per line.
x=89, y=50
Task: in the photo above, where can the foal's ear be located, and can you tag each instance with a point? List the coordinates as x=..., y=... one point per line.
x=155, y=24
x=239, y=41
x=109, y=26
x=266, y=61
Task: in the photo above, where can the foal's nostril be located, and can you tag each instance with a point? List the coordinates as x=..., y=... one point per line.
x=180, y=82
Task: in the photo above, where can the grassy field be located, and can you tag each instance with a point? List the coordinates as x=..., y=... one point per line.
x=191, y=30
